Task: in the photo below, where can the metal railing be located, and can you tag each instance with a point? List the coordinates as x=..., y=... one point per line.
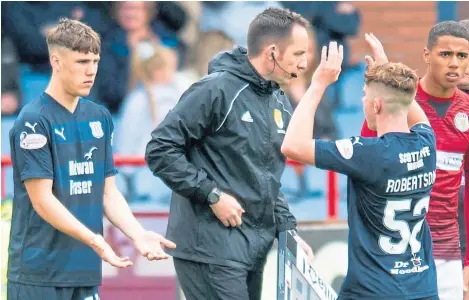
x=332, y=189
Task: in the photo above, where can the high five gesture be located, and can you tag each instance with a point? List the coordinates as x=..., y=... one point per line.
x=330, y=66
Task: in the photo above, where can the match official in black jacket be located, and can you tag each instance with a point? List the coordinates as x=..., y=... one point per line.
x=219, y=151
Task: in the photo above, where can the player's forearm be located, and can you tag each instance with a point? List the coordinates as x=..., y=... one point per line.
x=53, y=212
x=297, y=142
x=118, y=212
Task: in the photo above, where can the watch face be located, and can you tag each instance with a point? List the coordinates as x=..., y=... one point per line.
x=213, y=197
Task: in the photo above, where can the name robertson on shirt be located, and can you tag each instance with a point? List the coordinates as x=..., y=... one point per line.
x=410, y=183
x=413, y=161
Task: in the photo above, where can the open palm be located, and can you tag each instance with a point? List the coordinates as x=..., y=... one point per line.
x=377, y=50
x=104, y=250
x=331, y=64
x=150, y=244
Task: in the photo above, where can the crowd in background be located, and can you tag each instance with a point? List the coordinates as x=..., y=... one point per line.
x=151, y=52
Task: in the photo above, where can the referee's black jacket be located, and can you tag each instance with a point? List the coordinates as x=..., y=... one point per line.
x=226, y=131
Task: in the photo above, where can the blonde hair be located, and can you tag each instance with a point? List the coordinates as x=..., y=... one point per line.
x=74, y=35
x=146, y=58
x=396, y=82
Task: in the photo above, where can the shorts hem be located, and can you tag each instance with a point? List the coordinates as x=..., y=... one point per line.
x=56, y=284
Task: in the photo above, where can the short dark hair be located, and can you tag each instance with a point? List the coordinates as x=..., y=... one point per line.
x=447, y=28
x=74, y=35
x=270, y=25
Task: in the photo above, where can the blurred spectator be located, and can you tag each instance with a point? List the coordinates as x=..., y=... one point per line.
x=11, y=98
x=134, y=25
x=189, y=34
x=232, y=17
x=172, y=15
x=207, y=46
x=28, y=22
x=155, y=89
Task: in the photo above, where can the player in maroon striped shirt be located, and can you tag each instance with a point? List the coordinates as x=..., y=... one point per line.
x=447, y=108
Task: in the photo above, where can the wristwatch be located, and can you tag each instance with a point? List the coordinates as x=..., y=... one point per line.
x=214, y=196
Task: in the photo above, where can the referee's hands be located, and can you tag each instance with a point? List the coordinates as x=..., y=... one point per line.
x=228, y=211
x=105, y=251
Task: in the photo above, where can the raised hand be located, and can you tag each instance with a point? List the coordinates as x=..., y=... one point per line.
x=330, y=66
x=377, y=50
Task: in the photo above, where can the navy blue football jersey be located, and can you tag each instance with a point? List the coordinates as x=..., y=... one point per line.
x=74, y=150
x=389, y=183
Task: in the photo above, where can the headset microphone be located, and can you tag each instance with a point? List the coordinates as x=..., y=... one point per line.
x=292, y=75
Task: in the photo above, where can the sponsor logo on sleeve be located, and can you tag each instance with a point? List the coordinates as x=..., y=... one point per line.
x=345, y=148
x=32, y=141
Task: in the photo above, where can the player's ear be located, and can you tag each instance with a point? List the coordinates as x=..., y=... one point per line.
x=55, y=61
x=376, y=105
x=426, y=55
x=271, y=52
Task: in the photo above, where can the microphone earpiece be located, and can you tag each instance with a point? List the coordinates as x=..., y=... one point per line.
x=292, y=75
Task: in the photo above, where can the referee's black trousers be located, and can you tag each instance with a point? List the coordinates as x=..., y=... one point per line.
x=200, y=281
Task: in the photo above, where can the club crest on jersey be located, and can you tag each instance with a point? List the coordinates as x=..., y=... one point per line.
x=461, y=121
x=96, y=129
x=278, y=118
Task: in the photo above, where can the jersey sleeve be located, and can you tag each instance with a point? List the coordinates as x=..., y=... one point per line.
x=30, y=141
x=353, y=157
x=425, y=131
x=110, y=168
